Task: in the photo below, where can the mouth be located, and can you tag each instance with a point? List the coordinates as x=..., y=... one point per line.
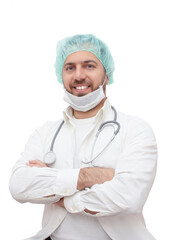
x=81, y=89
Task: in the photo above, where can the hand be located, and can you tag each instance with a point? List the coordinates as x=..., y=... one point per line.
x=94, y=175
x=36, y=163
x=61, y=203
x=91, y=212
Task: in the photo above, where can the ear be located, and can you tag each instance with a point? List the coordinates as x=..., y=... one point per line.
x=107, y=80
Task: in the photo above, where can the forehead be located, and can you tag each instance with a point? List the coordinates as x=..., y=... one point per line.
x=82, y=56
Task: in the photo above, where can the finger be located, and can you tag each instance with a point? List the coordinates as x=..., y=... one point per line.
x=32, y=164
x=35, y=161
x=38, y=162
x=41, y=164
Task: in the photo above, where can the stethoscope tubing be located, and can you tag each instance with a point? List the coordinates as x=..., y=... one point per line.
x=54, y=138
x=102, y=126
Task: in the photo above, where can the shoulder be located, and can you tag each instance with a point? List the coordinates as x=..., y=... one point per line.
x=133, y=125
x=129, y=119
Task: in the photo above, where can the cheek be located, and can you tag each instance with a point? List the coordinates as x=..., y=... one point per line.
x=66, y=80
x=98, y=79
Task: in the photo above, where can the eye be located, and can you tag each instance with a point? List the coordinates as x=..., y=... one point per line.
x=69, y=68
x=90, y=66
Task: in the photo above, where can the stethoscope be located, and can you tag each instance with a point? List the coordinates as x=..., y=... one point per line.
x=50, y=157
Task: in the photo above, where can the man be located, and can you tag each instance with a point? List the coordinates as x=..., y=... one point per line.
x=96, y=184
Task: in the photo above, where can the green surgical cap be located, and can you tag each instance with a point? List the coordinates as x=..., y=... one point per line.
x=86, y=42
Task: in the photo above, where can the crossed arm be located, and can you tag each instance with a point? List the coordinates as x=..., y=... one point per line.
x=87, y=178
x=99, y=190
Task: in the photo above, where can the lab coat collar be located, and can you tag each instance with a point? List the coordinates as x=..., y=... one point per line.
x=101, y=114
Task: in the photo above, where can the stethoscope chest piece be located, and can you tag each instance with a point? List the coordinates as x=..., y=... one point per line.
x=49, y=158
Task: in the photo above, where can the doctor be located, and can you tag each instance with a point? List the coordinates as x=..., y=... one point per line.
x=93, y=169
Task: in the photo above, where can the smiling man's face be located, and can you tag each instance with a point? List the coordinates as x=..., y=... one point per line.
x=83, y=73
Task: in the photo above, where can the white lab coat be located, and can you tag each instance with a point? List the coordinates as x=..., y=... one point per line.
x=133, y=155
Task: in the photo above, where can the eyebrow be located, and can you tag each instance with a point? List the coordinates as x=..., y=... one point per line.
x=86, y=61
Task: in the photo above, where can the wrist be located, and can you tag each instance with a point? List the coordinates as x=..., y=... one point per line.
x=84, y=179
x=94, y=175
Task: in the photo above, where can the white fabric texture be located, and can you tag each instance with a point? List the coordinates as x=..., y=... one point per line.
x=133, y=155
x=80, y=221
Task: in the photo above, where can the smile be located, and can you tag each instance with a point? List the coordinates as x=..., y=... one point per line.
x=81, y=87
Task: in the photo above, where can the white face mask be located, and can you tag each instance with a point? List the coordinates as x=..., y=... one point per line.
x=87, y=102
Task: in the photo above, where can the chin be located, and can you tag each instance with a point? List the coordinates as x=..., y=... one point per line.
x=81, y=94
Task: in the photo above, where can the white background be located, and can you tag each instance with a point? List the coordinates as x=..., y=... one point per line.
x=137, y=33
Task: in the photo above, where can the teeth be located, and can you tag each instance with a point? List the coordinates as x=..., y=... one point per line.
x=82, y=87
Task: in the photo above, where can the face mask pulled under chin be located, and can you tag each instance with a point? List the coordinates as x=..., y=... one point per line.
x=87, y=102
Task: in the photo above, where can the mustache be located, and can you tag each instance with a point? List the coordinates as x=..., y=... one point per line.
x=80, y=82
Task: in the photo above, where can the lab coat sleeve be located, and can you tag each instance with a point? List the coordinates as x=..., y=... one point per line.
x=134, y=176
x=33, y=184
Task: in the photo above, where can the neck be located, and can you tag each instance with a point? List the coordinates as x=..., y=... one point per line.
x=90, y=113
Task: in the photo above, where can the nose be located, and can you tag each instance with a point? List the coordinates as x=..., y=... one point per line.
x=79, y=73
